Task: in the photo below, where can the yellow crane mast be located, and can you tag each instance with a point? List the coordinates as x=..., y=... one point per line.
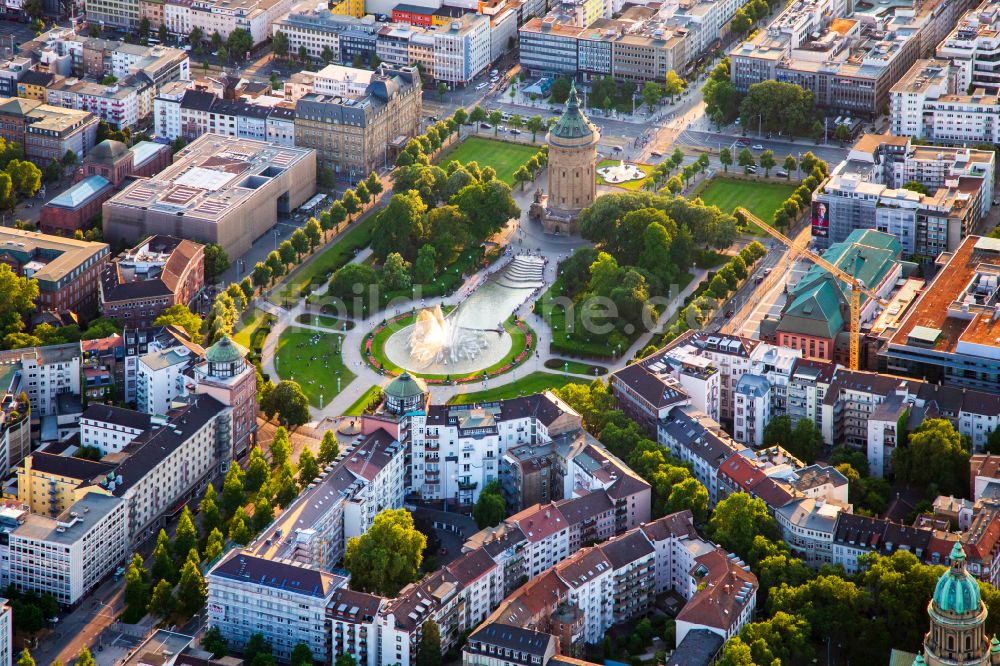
x=854, y=285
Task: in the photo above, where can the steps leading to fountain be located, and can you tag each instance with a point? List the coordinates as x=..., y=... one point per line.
x=523, y=272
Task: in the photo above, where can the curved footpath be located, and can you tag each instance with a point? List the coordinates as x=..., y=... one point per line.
x=523, y=236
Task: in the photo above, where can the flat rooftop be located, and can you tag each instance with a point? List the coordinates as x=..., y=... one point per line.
x=957, y=312
x=72, y=524
x=210, y=177
x=61, y=255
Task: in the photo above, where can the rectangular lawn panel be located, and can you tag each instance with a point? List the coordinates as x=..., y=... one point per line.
x=505, y=158
x=760, y=198
x=536, y=382
x=314, y=366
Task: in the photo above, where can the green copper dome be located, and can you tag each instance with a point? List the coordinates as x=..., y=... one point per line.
x=224, y=351
x=957, y=591
x=994, y=644
x=405, y=386
x=919, y=661
x=572, y=124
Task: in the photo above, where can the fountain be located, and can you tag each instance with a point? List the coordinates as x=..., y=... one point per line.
x=471, y=337
x=435, y=340
x=622, y=173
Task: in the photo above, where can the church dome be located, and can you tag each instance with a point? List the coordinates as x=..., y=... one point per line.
x=957, y=591
x=108, y=152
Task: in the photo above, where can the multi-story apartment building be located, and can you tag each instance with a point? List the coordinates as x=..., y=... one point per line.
x=849, y=60
x=161, y=376
x=320, y=30
x=456, y=450
x=110, y=429
x=181, y=111
x=7, y=647
x=579, y=599
x=68, y=556
x=342, y=504
x=928, y=104
x=285, y=602
x=48, y=484
x=865, y=191
x=51, y=131
x=46, y=373
x=68, y=270
x=171, y=462
x=973, y=48
x=352, y=134
x=146, y=280
x=461, y=49
x=122, y=104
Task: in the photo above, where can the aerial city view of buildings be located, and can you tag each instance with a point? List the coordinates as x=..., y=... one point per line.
x=499, y=333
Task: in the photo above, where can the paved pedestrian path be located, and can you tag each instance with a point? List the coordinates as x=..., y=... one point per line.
x=521, y=236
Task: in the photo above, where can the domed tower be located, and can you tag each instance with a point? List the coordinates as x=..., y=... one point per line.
x=958, y=618
x=572, y=167
x=226, y=376
x=405, y=394
x=225, y=358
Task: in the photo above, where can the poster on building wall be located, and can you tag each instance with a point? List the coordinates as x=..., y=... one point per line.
x=820, y=220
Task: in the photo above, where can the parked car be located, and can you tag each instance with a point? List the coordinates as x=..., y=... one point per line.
x=655, y=153
x=757, y=146
x=781, y=173
x=729, y=313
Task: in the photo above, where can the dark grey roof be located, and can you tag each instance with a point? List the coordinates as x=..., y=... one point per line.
x=579, y=509
x=269, y=573
x=128, y=418
x=626, y=548
x=74, y=468
x=511, y=537
x=649, y=385
x=35, y=78
x=517, y=639
x=691, y=434
x=199, y=100
x=700, y=647
x=150, y=448
x=539, y=406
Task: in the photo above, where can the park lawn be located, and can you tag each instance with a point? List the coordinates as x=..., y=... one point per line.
x=323, y=320
x=358, y=408
x=248, y=326
x=505, y=158
x=634, y=185
x=760, y=198
x=576, y=367
x=536, y=382
x=294, y=360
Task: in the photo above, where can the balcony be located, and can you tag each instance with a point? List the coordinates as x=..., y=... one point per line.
x=467, y=485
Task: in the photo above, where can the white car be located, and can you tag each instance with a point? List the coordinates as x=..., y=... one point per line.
x=757, y=146
x=481, y=86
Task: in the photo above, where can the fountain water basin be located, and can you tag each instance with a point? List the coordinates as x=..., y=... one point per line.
x=471, y=337
x=621, y=173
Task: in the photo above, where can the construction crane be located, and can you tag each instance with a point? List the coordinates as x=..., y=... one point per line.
x=854, y=285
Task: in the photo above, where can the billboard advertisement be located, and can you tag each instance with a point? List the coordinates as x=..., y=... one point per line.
x=820, y=220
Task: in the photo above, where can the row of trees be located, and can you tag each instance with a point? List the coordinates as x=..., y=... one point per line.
x=528, y=171
x=801, y=610
x=162, y=589
x=85, y=658
x=303, y=241
x=673, y=486
x=799, y=200
x=46, y=334
x=534, y=124
x=702, y=307
x=661, y=176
